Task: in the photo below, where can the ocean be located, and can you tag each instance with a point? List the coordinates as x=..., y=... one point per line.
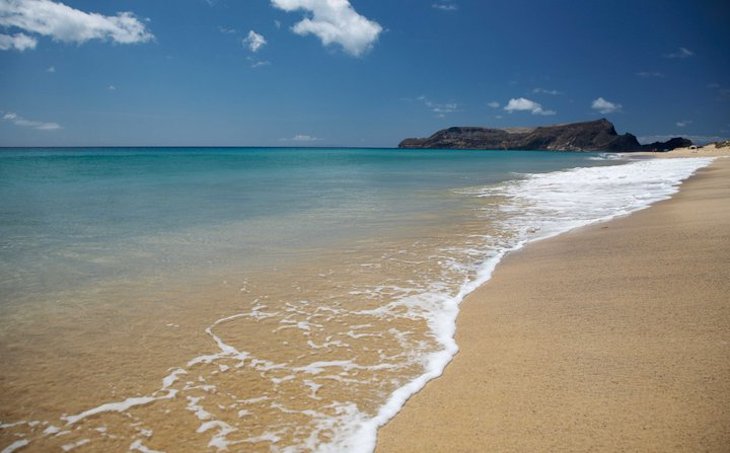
x=261, y=299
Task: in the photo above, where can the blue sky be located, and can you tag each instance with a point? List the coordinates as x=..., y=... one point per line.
x=357, y=73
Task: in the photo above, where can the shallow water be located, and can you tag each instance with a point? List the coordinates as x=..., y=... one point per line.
x=259, y=299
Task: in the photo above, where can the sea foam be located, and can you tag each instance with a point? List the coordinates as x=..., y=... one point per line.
x=538, y=206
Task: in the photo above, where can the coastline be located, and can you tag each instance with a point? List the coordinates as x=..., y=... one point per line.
x=613, y=336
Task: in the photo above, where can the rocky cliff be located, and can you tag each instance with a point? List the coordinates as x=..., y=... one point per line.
x=597, y=135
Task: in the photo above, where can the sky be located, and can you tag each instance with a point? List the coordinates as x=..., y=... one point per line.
x=355, y=73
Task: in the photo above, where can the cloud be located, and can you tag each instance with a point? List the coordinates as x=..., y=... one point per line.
x=18, y=41
x=723, y=94
x=683, y=123
x=445, y=5
x=526, y=105
x=682, y=52
x=227, y=31
x=301, y=138
x=254, y=41
x=604, y=106
x=544, y=91
x=494, y=104
x=66, y=24
x=51, y=69
x=650, y=74
x=257, y=63
x=439, y=109
x=22, y=122
x=334, y=22
x=111, y=88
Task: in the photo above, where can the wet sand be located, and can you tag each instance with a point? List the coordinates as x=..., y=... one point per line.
x=614, y=337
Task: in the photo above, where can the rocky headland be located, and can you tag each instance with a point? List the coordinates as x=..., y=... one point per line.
x=599, y=135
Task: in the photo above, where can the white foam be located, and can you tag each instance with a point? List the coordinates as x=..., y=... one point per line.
x=219, y=440
x=51, y=429
x=137, y=445
x=539, y=206
x=122, y=406
x=15, y=445
x=74, y=445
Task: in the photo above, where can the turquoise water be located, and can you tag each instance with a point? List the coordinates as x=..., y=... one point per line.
x=71, y=216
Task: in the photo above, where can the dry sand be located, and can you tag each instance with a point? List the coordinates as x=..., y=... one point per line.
x=614, y=337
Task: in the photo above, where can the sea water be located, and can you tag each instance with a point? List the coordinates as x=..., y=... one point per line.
x=194, y=299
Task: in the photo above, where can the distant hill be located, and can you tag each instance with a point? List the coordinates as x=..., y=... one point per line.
x=599, y=135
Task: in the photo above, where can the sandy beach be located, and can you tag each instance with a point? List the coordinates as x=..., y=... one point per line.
x=614, y=337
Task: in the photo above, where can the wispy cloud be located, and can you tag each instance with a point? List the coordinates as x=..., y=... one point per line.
x=526, y=105
x=682, y=52
x=51, y=69
x=650, y=74
x=22, y=122
x=254, y=41
x=544, y=91
x=227, y=30
x=493, y=104
x=301, y=138
x=334, y=22
x=603, y=106
x=683, y=123
x=445, y=5
x=18, y=41
x=439, y=109
x=257, y=63
x=111, y=88
x=66, y=24
x=723, y=93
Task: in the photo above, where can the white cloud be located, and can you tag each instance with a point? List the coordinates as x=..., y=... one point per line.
x=227, y=31
x=51, y=69
x=604, y=106
x=334, y=22
x=650, y=74
x=63, y=23
x=18, y=41
x=20, y=121
x=257, y=63
x=301, y=138
x=544, y=91
x=439, y=109
x=682, y=52
x=111, y=88
x=526, y=105
x=254, y=41
x=445, y=5
x=494, y=104
x=683, y=123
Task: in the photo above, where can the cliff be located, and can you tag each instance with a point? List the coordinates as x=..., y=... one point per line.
x=597, y=135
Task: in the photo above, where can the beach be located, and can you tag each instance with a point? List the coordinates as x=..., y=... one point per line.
x=612, y=337
x=303, y=317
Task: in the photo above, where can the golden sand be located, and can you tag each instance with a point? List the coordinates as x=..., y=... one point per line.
x=614, y=337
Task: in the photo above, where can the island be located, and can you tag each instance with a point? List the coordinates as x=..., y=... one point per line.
x=599, y=135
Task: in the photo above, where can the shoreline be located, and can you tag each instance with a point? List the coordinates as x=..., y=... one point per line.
x=496, y=393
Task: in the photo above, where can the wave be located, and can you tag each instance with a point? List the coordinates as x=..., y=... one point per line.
x=542, y=206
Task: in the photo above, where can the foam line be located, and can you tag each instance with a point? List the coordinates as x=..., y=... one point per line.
x=544, y=205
